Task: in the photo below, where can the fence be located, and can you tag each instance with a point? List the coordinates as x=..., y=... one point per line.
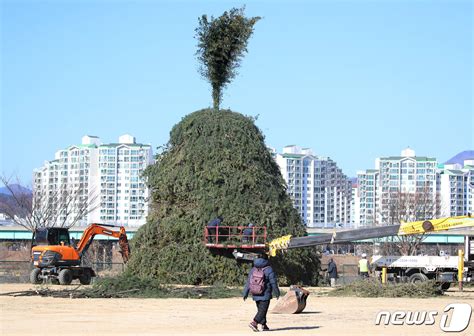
x=347, y=273
x=18, y=271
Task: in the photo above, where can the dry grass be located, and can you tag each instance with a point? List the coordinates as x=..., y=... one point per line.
x=370, y=288
x=132, y=286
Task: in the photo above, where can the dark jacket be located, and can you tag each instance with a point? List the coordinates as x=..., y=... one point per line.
x=248, y=232
x=332, y=270
x=271, y=285
x=215, y=222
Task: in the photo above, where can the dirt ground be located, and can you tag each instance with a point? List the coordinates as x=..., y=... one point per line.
x=322, y=316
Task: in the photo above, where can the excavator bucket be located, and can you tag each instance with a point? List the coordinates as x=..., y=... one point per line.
x=294, y=302
x=124, y=247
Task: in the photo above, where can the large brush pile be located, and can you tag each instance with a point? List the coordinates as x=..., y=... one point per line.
x=216, y=163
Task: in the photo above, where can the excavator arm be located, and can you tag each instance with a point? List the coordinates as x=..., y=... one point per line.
x=94, y=229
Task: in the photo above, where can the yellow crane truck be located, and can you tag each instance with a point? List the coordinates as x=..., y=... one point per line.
x=251, y=246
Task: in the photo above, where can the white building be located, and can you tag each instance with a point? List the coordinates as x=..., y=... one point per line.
x=396, y=180
x=366, y=194
x=355, y=206
x=456, y=182
x=320, y=191
x=107, y=177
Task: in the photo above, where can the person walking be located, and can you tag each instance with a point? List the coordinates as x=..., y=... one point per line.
x=364, y=266
x=332, y=272
x=261, y=283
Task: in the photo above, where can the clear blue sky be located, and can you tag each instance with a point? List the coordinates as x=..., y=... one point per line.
x=354, y=80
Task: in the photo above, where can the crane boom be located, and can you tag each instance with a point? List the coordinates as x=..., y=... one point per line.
x=411, y=228
x=436, y=225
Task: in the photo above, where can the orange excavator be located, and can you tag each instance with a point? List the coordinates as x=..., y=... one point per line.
x=57, y=257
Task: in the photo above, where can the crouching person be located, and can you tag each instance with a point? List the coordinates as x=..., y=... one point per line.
x=261, y=283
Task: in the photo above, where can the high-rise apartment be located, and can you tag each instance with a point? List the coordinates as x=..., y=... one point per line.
x=105, y=177
x=456, y=181
x=399, y=188
x=320, y=191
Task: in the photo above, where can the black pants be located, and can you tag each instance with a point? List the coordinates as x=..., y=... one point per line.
x=211, y=238
x=262, y=307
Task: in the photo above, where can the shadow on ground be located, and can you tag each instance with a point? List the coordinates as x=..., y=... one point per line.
x=295, y=328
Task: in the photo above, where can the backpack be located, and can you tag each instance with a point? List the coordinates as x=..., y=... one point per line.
x=257, y=281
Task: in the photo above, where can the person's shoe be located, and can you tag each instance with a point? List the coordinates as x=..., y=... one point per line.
x=265, y=328
x=254, y=326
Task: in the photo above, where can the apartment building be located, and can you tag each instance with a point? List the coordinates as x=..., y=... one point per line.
x=366, y=193
x=320, y=191
x=396, y=184
x=355, y=206
x=104, y=177
x=456, y=181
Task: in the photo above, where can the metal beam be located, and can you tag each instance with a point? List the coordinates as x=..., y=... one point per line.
x=344, y=236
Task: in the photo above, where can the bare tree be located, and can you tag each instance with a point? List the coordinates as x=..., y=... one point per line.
x=408, y=207
x=402, y=207
x=63, y=206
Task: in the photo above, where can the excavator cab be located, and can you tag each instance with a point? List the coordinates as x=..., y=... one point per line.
x=51, y=236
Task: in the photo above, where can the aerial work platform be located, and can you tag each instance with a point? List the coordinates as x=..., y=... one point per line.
x=231, y=237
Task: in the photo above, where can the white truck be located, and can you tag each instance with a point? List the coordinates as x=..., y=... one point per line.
x=442, y=269
x=419, y=268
